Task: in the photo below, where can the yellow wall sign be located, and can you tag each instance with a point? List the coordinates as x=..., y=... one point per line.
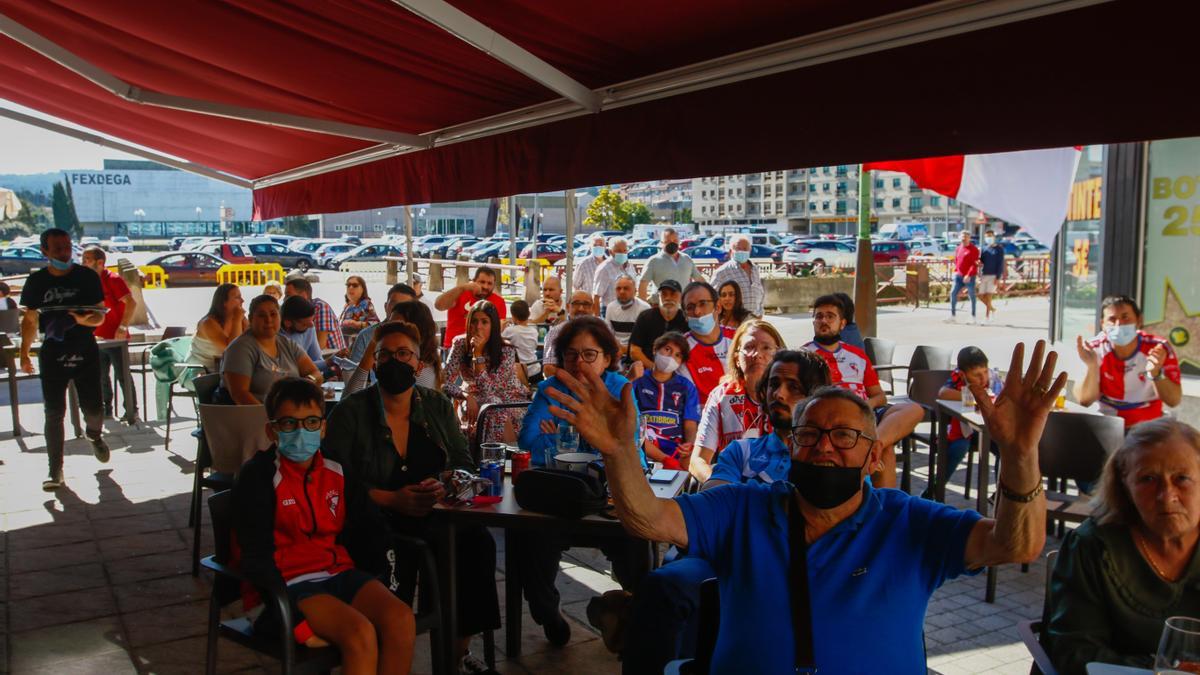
x=1085, y=200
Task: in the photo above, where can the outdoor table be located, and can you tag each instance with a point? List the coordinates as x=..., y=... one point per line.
x=330, y=401
x=971, y=417
x=508, y=515
x=1097, y=668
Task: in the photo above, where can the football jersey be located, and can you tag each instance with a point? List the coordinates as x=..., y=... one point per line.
x=1126, y=389
x=706, y=363
x=729, y=414
x=665, y=406
x=849, y=367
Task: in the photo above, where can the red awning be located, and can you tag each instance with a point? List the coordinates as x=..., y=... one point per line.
x=391, y=105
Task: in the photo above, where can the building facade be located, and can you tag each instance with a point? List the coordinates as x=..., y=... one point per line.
x=465, y=217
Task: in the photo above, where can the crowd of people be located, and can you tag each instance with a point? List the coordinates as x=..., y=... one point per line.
x=788, y=450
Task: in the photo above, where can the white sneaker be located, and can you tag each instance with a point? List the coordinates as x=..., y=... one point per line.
x=952, y=319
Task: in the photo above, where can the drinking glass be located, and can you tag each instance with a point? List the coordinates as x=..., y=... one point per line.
x=968, y=399
x=1179, y=647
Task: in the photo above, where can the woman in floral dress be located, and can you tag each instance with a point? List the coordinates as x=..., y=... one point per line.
x=489, y=372
x=359, y=312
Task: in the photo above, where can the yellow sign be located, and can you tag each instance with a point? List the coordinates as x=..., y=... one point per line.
x=1085, y=200
x=1082, y=246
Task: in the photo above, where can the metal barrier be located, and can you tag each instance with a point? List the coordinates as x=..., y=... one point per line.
x=930, y=280
x=250, y=275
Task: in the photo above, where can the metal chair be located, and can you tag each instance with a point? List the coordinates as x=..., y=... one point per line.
x=13, y=375
x=1032, y=631
x=231, y=435
x=484, y=411
x=206, y=386
x=298, y=658
x=1075, y=446
x=880, y=352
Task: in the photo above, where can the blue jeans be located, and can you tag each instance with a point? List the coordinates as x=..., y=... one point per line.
x=959, y=283
x=665, y=617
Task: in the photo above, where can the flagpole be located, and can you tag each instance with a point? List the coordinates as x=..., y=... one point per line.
x=864, y=277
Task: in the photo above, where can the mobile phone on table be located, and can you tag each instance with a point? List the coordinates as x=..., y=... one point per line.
x=663, y=475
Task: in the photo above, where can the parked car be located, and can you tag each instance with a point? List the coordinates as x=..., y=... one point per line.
x=21, y=260
x=309, y=246
x=924, y=247
x=760, y=252
x=233, y=252
x=460, y=246
x=498, y=249
x=367, y=253
x=704, y=253
x=189, y=268
x=890, y=251
x=819, y=255
x=550, y=252
x=429, y=243
x=642, y=252
x=264, y=252
x=327, y=252
x=1026, y=248
x=120, y=244
x=176, y=242
x=89, y=241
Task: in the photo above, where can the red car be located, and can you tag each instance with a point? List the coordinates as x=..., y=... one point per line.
x=889, y=251
x=550, y=252
x=685, y=244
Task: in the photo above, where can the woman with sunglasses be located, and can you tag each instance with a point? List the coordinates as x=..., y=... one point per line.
x=487, y=366
x=397, y=437
x=359, y=311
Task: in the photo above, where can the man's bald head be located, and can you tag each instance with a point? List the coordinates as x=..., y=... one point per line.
x=552, y=288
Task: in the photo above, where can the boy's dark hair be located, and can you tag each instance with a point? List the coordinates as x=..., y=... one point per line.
x=1120, y=300
x=831, y=300
x=519, y=310
x=971, y=357
x=301, y=284
x=294, y=390
x=260, y=301
x=401, y=288
x=712, y=292
x=5, y=289
x=847, y=305
x=296, y=307
x=409, y=330
x=52, y=232
x=485, y=270
x=673, y=338
x=814, y=372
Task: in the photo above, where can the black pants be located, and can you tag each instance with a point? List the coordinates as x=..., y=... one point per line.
x=538, y=557
x=59, y=367
x=110, y=359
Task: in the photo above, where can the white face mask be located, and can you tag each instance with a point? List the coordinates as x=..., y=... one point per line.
x=666, y=363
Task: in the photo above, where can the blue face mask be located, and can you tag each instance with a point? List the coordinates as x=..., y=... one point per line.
x=598, y=251
x=299, y=445
x=702, y=325
x=60, y=265
x=1122, y=334
x=740, y=257
x=620, y=258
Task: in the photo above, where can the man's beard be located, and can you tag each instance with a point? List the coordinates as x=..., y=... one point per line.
x=779, y=415
x=828, y=339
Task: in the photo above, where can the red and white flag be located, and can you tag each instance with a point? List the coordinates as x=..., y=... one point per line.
x=1030, y=188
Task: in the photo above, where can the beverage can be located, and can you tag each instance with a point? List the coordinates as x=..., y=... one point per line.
x=493, y=471
x=520, y=462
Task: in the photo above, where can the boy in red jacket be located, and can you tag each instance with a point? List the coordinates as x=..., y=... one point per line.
x=294, y=509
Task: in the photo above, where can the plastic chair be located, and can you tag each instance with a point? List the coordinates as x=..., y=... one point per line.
x=140, y=361
x=206, y=387
x=1032, y=631
x=298, y=658
x=1075, y=446
x=880, y=352
x=232, y=434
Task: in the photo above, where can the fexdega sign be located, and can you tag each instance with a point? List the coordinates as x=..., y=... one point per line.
x=100, y=179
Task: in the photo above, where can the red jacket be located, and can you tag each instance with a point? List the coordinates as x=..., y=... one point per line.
x=966, y=260
x=291, y=521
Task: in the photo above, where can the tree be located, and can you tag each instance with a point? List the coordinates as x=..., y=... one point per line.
x=613, y=212
x=64, y=210
x=685, y=215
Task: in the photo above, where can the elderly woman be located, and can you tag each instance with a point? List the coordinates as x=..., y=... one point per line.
x=489, y=371
x=359, y=312
x=1132, y=564
x=260, y=356
x=733, y=410
x=397, y=437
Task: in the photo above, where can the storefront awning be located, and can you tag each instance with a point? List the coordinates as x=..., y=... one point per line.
x=334, y=105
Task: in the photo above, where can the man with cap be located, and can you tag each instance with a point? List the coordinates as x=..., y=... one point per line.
x=655, y=321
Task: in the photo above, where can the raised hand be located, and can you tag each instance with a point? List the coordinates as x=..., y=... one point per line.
x=1016, y=418
x=1155, y=360
x=1087, y=353
x=608, y=425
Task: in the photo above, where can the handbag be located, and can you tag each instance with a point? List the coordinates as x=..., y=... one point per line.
x=566, y=494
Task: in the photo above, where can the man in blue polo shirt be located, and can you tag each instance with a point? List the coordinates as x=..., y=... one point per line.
x=664, y=617
x=991, y=271
x=850, y=538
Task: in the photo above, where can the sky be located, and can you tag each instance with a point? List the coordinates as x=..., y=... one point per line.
x=25, y=148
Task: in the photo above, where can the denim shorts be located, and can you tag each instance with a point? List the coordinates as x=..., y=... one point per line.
x=343, y=586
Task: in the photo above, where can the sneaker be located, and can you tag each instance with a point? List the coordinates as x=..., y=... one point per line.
x=609, y=613
x=952, y=319
x=558, y=631
x=100, y=449
x=53, y=481
x=473, y=665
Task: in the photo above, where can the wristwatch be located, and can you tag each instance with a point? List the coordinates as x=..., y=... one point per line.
x=1162, y=374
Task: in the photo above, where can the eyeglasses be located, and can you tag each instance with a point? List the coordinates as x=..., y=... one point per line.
x=842, y=438
x=756, y=350
x=383, y=355
x=582, y=304
x=289, y=424
x=702, y=305
x=588, y=355
x=352, y=285
x=826, y=316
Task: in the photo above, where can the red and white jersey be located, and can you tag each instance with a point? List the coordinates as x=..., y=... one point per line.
x=849, y=367
x=706, y=363
x=730, y=414
x=1126, y=389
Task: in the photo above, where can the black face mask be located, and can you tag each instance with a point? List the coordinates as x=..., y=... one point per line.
x=671, y=248
x=395, y=376
x=826, y=486
x=828, y=339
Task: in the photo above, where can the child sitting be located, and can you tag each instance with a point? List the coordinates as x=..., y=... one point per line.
x=972, y=368
x=294, y=510
x=670, y=405
x=524, y=337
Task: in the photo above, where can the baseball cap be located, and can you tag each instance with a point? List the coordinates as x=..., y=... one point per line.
x=672, y=285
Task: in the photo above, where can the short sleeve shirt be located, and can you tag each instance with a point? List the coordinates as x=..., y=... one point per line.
x=621, y=319
x=604, y=283
x=665, y=406
x=730, y=414
x=115, y=288
x=43, y=291
x=1126, y=389
x=871, y=575
x=959, y=381
x=456, y=316
x=849, y=367
x=650, y=324
x=764, y=459
x=326, y=321
x=661, y=267
x=706, y=363
x=244, y=356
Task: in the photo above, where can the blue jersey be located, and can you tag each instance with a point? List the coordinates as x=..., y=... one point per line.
x=665, y=406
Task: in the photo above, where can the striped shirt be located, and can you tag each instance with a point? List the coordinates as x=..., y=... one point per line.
x=326, y=320
x=749, y=282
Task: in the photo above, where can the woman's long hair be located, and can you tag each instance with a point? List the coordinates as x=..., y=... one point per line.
x=494, y=349
x=739, y=313
x=417, y=313
x=220, y=296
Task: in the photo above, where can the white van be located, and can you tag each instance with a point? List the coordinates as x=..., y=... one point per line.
x=903, y=231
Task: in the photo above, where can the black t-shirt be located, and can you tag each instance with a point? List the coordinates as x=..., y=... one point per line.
x=650, y=324
x=421, y=460
x=43, y=291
